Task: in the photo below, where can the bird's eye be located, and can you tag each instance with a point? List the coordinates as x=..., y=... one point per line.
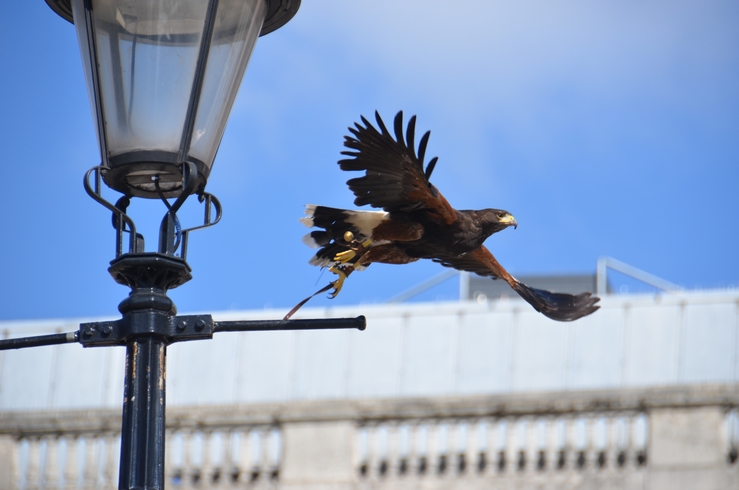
x=501, y=215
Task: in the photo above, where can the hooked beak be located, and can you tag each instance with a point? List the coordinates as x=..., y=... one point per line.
x=510, y=221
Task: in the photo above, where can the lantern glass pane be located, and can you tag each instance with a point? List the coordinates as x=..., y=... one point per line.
x=147, y=54
x=236, y=28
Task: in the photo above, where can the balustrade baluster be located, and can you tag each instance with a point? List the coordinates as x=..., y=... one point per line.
x=459, y=462
x=206, y=466
x=550, y=445
x=453, y=440
x=602, y=425
x=591, y=442
x=444, y=449
x=571, y=446
x=257, y=455
x=278, y=448
x=402, y=434
x=70, y=463
x=630, y=450
x=392, y=458
x=16, y=475
x=264, y=454
x=640, y=435
x=170, y=466
x=32, y=469
x=217, y=459
x=414, y=452
x=731, y=439
x=510, y=447
x=493, y=446
x=360, y=451
x=482, y=447
x=612, y=443
x=228, y=464
x=187, y=472
x=373, y=449
x=472, y=448
x=90, y=472
x=217, y=463
x=465, y=465
x=432, y=447
x=51, y=464
x=111, y=455
x=531, y=444
x=245, y=457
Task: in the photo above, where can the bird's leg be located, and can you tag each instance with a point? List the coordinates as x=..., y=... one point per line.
x=343, y=272
x=356, y=248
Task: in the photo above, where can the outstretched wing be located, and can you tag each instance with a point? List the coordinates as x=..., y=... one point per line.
x=394, y=176
x=557, y=306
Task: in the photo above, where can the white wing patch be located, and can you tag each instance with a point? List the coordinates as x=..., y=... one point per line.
x=365, y=221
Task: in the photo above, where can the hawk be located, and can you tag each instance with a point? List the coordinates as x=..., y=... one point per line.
x=416, y=221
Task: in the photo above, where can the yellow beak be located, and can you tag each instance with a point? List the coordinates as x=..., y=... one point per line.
x=509, y=220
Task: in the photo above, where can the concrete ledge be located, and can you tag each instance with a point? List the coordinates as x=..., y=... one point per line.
x=509, y=405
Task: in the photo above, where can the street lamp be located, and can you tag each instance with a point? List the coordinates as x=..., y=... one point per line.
x=162, y=76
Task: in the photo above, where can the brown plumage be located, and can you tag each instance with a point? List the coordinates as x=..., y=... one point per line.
x=417, y=221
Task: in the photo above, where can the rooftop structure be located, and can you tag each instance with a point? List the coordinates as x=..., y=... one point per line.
x=643, y=393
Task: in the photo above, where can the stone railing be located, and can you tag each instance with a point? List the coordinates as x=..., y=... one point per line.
x=654, y=438
x=505, y=446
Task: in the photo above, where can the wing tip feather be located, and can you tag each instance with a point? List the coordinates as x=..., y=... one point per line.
x=562, y=307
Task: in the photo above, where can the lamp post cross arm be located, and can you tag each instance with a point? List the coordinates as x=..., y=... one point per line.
x=175, y=329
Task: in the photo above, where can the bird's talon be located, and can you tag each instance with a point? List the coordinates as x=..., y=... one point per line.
x=338, y=283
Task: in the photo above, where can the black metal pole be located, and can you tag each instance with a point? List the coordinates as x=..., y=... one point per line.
x=142, y=431
x=147, y=323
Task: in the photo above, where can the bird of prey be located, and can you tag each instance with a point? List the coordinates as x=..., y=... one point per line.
x=416, y=221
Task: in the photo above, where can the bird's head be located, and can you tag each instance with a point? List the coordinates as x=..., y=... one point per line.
x=495, y=220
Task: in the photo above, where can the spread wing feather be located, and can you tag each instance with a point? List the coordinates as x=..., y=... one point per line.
x=394, y=176
x=557, y=306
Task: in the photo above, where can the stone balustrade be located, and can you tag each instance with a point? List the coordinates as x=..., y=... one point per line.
x=505, y=446
x=677, y=437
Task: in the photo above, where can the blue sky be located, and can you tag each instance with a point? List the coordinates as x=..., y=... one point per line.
x=606, y=128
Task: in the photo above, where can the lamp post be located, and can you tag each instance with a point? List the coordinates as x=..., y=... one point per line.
x=162, y=76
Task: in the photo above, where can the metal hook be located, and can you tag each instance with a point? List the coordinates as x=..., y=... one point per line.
x=209, y=199
x=122, y=218
x=170, y=226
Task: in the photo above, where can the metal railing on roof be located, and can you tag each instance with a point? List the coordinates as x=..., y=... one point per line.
x=605, y=263
x=601, y=274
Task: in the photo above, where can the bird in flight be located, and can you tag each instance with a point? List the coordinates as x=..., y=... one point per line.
x=416, y=221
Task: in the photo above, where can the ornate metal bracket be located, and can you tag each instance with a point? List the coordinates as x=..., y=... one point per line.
x=171, y=236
